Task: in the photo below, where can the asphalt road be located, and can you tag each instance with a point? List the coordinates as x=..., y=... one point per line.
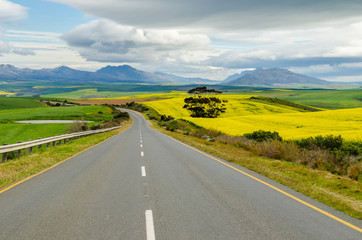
x=143, y=185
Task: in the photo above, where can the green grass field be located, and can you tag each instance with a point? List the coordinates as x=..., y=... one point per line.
x=92, y=113
x=16, y=109
x=20, y=132
x=15, y=103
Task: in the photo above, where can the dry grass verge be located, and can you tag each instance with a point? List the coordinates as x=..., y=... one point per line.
x=17, y=169
x=340, y=193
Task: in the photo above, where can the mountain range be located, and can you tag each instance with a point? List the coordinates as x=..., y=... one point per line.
x=127, y=74
x=119, y=74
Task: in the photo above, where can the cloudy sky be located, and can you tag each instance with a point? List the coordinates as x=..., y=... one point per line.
x=204, y=38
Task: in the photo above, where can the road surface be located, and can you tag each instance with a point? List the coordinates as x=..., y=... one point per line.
x=142, y=184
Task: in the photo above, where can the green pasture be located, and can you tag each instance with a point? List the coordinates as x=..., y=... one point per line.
x=16, y=109
x=21, y=132
x=92, y=113
x=15, y=103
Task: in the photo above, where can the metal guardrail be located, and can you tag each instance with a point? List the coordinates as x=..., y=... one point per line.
x=55, y=140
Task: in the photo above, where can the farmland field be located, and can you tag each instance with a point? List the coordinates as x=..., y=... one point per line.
x=15, y=103
x=15, y=109
x=244, y=116
x=6, y=93
x=55, y=113
x=336, y=97
x=13, y=133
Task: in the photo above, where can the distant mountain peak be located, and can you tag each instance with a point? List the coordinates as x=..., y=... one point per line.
x=121, y=68
x=63, y=68
x=276, y=77
x=7, y=67
x=237, y=75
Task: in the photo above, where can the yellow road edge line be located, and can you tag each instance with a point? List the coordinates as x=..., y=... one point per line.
x=273, y=187
x=51, y=167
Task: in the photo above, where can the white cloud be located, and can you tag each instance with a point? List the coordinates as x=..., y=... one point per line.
x=212, y=35
x=10, y=11
x=216, y=14
x=4, y=48
x=208, y=38
x=104, y=40
x=23, y=52
x=37, y=50
x=291, y=48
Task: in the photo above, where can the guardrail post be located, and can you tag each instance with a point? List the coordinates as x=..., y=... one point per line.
x=30, y=150
x=5, y=157
x=19, y=152
x=54, y=143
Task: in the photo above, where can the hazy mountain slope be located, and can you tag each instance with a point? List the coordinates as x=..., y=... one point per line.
x=120, y=74
x=275, y=77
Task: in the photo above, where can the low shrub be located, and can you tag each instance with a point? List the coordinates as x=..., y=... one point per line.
x=261, y=136
x=78, y=126
x=352, y=148
x=135, y=106
x=355, y=171
x=329, y=142
x=165, y=118
x=95, y=127
x=211, y=133
x=172, y=125
x=121, y=116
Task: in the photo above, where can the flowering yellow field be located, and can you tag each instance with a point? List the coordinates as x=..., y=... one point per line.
x=237, y=105
x=243, y=116
x=6, y=93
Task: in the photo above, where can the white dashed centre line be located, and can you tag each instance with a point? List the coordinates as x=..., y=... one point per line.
x=150, y=229
x=143, y=170
x=142, y=154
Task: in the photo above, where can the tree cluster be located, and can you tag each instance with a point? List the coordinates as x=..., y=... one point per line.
x=203, y=104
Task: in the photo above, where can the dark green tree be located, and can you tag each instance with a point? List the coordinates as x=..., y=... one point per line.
x=204, y=103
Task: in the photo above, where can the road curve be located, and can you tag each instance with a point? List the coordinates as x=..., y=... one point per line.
x=142, y=184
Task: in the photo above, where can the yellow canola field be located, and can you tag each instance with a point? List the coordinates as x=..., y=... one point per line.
x=237, y=105
x=244, y=116
x=346, y=122
x=6, y=93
